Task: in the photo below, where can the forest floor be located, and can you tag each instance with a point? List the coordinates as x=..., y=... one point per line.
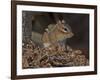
x=54, y=56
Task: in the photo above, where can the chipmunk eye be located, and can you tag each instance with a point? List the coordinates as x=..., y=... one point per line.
x=65, y=29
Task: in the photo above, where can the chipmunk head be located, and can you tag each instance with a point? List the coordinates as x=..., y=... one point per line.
x=64, y=28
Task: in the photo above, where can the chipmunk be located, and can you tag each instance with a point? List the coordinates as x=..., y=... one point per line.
x=53, y=34
x=56, y=32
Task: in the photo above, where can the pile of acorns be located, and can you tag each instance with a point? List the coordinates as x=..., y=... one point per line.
x=54, y=56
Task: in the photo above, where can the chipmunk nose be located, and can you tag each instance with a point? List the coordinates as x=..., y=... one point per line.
x=72, y=34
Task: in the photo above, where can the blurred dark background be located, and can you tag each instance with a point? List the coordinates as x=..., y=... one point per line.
x=79, y=23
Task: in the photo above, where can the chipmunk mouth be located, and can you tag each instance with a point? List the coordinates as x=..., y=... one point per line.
x=69, y=34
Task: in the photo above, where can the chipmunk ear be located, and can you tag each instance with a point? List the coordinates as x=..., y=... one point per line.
x=59, y=22
x=63, y=21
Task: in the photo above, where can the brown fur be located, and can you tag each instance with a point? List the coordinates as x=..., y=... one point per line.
x=57, y=34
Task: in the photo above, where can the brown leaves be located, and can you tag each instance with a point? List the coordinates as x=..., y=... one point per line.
x=54, y=56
